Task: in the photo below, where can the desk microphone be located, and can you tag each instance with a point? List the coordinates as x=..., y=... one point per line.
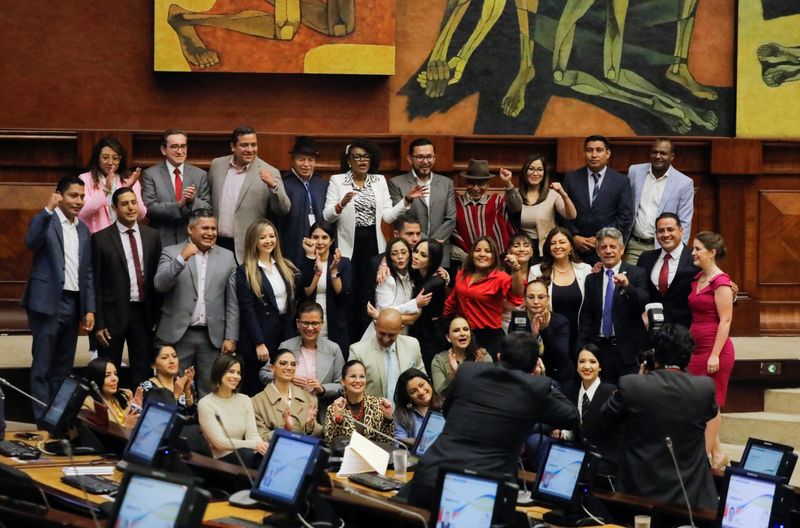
x=242, y=497
x=386, y=504
x=65, y=445
x=382, y=435
x=96, y=390
x=668, y=441
x=5, y=382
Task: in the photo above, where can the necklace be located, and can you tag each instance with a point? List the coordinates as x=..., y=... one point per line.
x=357, y=410
x=559, y=269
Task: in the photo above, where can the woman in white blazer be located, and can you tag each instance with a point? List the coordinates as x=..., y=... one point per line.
x=563, y=270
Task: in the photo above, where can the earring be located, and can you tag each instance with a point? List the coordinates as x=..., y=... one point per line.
x=409, y=406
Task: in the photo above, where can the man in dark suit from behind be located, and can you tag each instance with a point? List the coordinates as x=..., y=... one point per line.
x=490, y=412
x=667, y=403
x=172, y=189
x=60, y=290
x=601, y=195
x=124, y=259
x=611, y=315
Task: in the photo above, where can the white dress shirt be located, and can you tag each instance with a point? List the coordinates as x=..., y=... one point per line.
x=644, y=225
x=69, y=231
x=126, y=246
x=675, y=257
x=171, y=169
x=589, y=392
x=278, y=286
x=234, y=179
x=605, y=285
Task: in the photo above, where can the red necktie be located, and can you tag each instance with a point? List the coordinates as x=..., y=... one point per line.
x=137, y=265
x=178, y=185
x=663, y=276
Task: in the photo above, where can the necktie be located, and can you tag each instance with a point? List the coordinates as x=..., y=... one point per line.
x=584, y=406
x=137, y=265
x=607, y=326
x=663, y=276
x=392, y=373
x=178, y=185
x=596, y=189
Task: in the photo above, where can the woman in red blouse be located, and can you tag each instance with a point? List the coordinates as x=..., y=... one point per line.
x=480, y=289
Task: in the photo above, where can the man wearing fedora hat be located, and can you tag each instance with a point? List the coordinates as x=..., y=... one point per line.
x=306, y=191
x=479, y=213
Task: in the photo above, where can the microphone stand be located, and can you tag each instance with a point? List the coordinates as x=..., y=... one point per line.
x=668, y=441
x=35, y=400
x=379, y=433
x=242, y=497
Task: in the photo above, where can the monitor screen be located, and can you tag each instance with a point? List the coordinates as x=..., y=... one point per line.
x=286, y=468
x=59, y=403
x=150, y=502
x=560, y=471
x=147, y=438
x=748, y=503
x=466, y=501
x=430, y=431
x=762, y=459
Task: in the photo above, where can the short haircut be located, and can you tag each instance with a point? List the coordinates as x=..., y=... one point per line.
x=171, y=132
x=404, y=219
x=664, y=139
x=308, y=307
x=675, y=217
x=239, y=132
x=197, y=214
x=610, y=232
x=711, y=241
x=673, y=346
x=117, y=193
x=419, y=142
x=369, y=147
x=349, y=364
x=221, y=366
x=66, y=182
x=517, y=351
x=597, y=137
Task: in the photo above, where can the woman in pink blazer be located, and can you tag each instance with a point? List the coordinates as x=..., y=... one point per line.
x=108, y=171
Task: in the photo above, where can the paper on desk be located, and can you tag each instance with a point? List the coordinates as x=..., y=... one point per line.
x=362, y=456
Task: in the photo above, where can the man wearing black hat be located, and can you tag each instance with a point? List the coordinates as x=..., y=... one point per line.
x=306, y=191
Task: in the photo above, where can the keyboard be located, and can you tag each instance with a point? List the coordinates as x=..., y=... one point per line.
x=17, y=448
x=93, y=484
x=376, y=482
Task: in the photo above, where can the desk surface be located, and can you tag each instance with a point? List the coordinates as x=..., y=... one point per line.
x=45, y=460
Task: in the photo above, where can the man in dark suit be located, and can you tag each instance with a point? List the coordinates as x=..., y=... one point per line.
x=124, y=260
x=611, y=315
x=667, y=403
x=490, y=412
x=601, y=195
x=436, y=210
x=306, y=191
x=199, y=312
x=670, y=270
x=172, y=189
x=60, y=290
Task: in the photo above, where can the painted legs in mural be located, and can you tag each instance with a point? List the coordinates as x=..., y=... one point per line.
x=334, y=18
x=514, y=101
x=779, y=64
x=679, y=71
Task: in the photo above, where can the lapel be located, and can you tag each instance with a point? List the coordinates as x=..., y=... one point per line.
x=639, y=178
x=55, y=225
x=193, y=272
x=582, y=187
x=116, y=241
x=250, y=178
x=324, y=362
x=669, y=190
x=217, y=181
x=381, y=364
x=167, y=180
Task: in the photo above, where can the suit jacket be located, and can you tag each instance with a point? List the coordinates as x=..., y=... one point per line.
x=678, y=195
x=294, y=226
x=112, y=281
x=664, y=403
x=490, y=412
x=437, y=220
x=626, y=312
x=370, y=354
x=676, y=300
x=177, y=281
x=46, y=239
x=596, y=431
x=95, y=213
x=255, y=201
x=336, y=305
x=158, y=193
x=613, y=207
x=329, y=364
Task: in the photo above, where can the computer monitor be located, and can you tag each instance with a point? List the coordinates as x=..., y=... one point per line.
x=64, y=407
x=156, y=499
x=429, y=431
x=158, y=427
x=753, y=500
x=769, y=458
x=560, y=480
x=291, y=466
x=466, y=498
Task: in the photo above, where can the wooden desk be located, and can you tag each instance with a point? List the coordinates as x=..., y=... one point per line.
x=373, y=500
x=49, y=478
x=46, y=460
x=217, y=510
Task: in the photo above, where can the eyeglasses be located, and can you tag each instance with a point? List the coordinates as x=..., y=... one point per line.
x=178, y=147
x=360, y=157
x=310, y=324
x=429, y=157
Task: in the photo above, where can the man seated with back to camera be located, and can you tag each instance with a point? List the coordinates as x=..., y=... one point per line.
x=666, y=402
x=490, y=412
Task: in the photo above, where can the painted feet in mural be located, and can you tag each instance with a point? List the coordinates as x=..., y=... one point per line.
x=679, y=73
x=194, y=50
x=779, y=64
x=514, y=101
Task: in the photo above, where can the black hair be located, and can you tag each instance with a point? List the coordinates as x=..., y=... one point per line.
x=96, y=371
x=673, y=346
x=117, y=193
x=66, y=182
x=471, y=353
x=403, y=407
x=94, y=159
x=281, y=351
x=435, y=252
x=308, y=307
x=517, y=351
x=419, y=142
x=387, y=255
x=369, y=147
x=203, y=212
x=330, y=230
x=590, y=347
x=349, y=364
x=221, y=366
x=544, y=185
x=597, y=137
x=404, y=219
x=171, y=132
x=675, y=217
x=239, y=132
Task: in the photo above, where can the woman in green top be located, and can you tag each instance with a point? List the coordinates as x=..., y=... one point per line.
x=462, y=348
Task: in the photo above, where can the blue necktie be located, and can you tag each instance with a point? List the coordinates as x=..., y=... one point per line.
x=596, y=189
x=607, y=327
x=310, y=209
x=392, y=372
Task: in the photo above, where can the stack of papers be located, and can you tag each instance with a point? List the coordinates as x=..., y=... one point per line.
x=362, y=456
x=88, y=470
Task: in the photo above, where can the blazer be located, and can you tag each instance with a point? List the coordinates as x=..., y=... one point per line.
x=158, y=194
x=177, y=281
x=613, y=207
x=95, y=213
x=646, y=408
x=597, y=432
x=336, y=305
x=294, y=226
x=329, y=364
x=626, y=312
x=556, y=354
x=437, y=220
x=678, y=195
x=268, y=409
x=112, y=281
x=43, y=290
x=341, y=184
x=369, y=352
x=676, y=300
x=255, y=201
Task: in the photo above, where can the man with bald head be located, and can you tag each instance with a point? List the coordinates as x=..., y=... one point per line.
x=387, y=354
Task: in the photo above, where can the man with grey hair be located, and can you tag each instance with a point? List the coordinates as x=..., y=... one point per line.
x=611, y=315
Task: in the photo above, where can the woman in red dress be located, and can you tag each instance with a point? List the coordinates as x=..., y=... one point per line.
x=711, y=302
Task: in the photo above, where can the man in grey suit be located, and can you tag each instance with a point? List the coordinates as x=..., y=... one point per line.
x=172, y=189
x=244, y=189
x=657, y=187
x=199, y=311
x=436, y=210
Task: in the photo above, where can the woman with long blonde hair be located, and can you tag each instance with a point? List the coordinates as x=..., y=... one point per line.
x=265, y=286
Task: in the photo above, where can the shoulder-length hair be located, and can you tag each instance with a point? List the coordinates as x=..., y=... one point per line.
x=388, y=256
x=469, y=262
x=285, y=266
x=221, y=366
x=547, y=257
x=96, y=371
x=544, y=185
x=94, y=160
x=404, y=408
